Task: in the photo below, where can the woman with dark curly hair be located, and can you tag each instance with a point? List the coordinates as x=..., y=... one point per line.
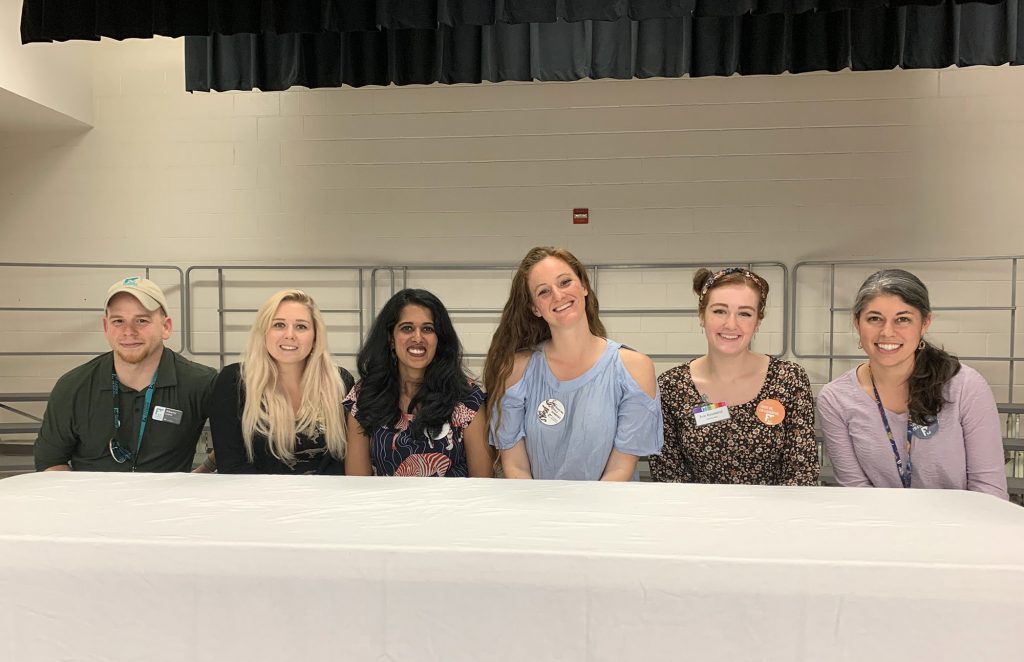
x=414, y=410
x=913, y=415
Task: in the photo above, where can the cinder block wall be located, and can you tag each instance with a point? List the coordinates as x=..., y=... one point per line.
x=823, y=166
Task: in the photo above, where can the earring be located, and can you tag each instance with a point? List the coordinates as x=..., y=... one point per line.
x=921, y=345
x=859, y=346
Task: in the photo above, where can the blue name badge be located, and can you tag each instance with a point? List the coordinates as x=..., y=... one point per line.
x=924, y=431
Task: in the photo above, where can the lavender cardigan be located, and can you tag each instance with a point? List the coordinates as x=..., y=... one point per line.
x=965, y=454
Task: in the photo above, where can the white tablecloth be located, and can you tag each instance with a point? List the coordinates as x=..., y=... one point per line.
x=215, y=568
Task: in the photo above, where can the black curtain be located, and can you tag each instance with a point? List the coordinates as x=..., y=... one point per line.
x=880, y=36
x=61, y=20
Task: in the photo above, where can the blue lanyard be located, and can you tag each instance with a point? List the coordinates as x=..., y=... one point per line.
x=905, y=477
x=115, y=386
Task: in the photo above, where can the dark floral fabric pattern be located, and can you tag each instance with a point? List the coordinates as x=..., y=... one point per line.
x=741, y=449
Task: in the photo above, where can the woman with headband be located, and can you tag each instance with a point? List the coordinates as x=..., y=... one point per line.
x=566, y=402
x=913, y=415
x=733, y=415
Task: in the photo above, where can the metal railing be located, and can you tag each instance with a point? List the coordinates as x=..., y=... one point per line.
x=1012, y=263
x=224, y=288
x=123, y=270
x=399, y=277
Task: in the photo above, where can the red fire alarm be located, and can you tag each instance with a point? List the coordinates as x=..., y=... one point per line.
x=580, y=216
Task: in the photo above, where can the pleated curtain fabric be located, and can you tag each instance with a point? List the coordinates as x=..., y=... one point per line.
x=61, y=20
x=873, y=37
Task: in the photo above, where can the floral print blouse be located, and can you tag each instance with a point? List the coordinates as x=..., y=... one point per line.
x=741, y=449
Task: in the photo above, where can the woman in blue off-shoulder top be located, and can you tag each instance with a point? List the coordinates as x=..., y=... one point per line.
x=564, y=401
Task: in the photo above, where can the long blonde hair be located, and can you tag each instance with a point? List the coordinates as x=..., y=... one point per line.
x=519, y=329
x=267, y=410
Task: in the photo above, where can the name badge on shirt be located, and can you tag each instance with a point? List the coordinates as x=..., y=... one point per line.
x=167, y=415
x=706, y=414
x=924, y=431
x=551, y=412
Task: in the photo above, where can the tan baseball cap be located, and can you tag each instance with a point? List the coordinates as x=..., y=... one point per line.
x=146, y=291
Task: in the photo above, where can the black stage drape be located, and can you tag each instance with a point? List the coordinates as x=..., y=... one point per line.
x=754, y=41
x=60, y=20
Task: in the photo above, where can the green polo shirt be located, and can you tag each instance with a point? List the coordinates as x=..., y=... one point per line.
x=79, y=419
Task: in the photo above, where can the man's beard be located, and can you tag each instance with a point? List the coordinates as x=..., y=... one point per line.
x=135, y=357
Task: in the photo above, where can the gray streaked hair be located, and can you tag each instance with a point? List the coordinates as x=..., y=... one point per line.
x=933, y=366
x=896, y=282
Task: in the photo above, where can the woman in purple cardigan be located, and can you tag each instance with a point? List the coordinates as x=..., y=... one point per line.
x=913, y=415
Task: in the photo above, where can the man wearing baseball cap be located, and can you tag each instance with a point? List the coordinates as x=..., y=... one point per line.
x=139, y=407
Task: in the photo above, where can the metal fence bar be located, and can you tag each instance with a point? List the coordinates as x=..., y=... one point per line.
x=831, y=322
x=322, y=310
x=594, y=272
x=15, y=410
x=122, y=268
x=51, y=309
x=222, y=341
x=604, y=311
x=223, y=287
x=362, y=327
x=373, y=288
x=1011, y=358
x=1013, y=321
x=753, y=266
x=964, y=357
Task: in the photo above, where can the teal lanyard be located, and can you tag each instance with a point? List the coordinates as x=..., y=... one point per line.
x=115, y=387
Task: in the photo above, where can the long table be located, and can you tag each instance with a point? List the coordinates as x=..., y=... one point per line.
x=191, y=567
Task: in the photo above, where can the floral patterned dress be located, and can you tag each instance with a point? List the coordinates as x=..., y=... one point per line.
x=397, y=452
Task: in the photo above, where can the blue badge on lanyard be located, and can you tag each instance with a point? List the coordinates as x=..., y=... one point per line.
x=925, y=431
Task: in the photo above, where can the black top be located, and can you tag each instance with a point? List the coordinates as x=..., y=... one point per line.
x=79, y=418
x=311, y=455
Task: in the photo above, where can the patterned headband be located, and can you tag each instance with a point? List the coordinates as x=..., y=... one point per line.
x=718, y=275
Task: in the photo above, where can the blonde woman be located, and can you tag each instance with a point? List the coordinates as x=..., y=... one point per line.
x=279, y=410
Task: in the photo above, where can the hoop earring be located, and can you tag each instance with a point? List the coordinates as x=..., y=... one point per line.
x=921, y=345
x=859, y=346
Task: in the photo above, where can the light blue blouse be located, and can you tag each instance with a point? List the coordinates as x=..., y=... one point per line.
x=604, y=409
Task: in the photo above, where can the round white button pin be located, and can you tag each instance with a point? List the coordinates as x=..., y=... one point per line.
x=551, y=412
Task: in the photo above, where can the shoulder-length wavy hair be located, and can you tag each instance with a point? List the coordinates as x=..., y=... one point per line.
x=445, y=381
x=519, y=329
x=933, y=366
x=267, y=411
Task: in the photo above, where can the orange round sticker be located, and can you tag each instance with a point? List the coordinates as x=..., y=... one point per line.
x=771, y=412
